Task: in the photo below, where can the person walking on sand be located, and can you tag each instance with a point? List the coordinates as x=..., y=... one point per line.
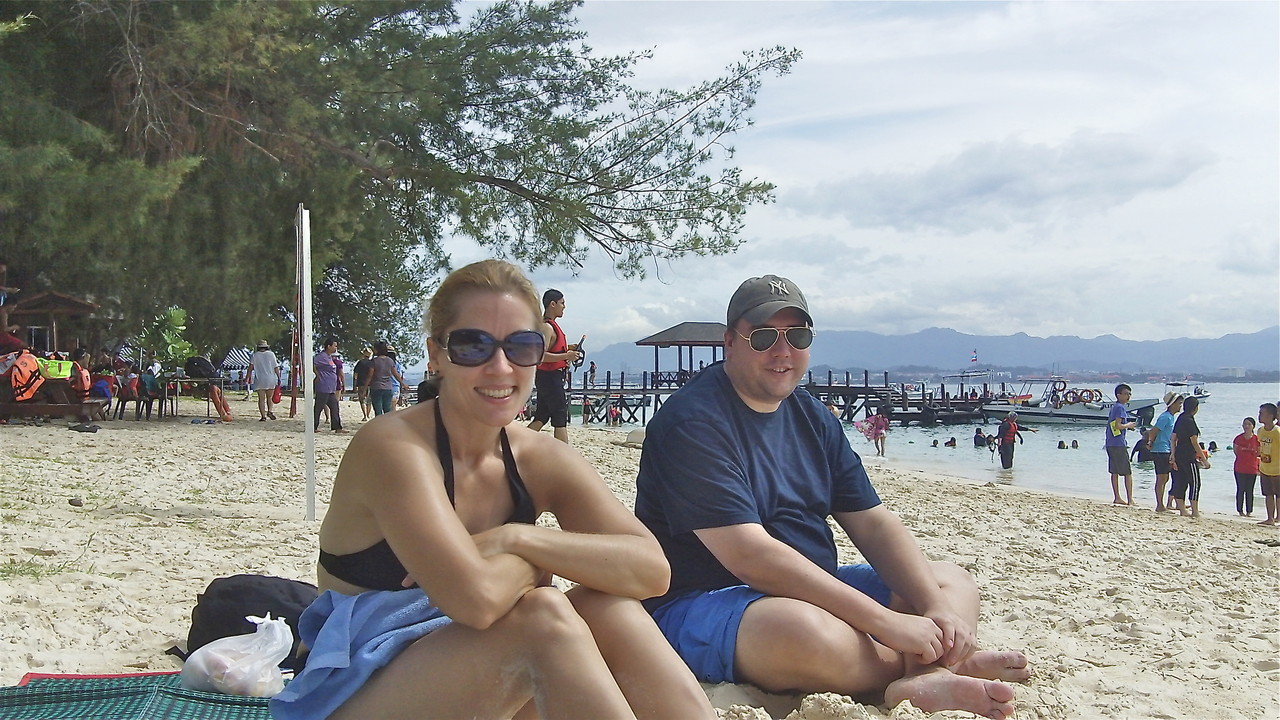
x=1159, y=437
x=739, y=473
x=553, y=403
x=1269, y=462
x=1117, y=448
x=326, y=385
x=361, y=374
x=382, y=380
x=264, y=378
x=1187, y=458
x=436, y=597
x=1245, y=447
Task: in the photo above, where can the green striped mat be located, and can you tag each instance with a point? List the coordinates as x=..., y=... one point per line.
x=148, y=696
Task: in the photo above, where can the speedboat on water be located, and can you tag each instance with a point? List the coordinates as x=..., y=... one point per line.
x=1196, y=391
x=1060, y=403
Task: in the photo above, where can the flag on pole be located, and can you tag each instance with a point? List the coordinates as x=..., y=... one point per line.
x=974, y=358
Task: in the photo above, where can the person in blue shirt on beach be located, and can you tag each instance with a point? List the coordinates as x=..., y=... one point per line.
x=1117, y=448
x=1158, y=437
x=739, y=473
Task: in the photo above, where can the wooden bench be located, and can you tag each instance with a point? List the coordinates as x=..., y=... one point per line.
x=91, y=408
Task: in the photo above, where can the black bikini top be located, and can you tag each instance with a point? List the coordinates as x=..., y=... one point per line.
x=377, y=567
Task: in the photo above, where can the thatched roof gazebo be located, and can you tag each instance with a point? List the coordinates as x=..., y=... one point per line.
x=684, y=337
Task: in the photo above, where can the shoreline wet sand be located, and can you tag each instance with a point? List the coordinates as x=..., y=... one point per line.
x=1124, y=613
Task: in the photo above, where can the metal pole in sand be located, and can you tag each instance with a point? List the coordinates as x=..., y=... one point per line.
x=303, y=224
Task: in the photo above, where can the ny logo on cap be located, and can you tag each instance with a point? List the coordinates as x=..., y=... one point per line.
x=777, y=287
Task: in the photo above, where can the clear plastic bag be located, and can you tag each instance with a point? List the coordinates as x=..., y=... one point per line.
x=245, y=665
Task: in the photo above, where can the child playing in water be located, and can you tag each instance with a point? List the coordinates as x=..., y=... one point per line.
x=876, y=428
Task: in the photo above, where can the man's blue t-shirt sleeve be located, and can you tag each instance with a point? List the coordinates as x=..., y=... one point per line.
x=700, y=479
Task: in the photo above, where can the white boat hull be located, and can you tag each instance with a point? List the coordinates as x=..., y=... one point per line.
x=1070, y=414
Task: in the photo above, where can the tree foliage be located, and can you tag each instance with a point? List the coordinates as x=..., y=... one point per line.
x=163, y=336
x=189, y=132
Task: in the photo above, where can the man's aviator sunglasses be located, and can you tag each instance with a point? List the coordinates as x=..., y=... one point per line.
x=762, y=339
x=473, y=348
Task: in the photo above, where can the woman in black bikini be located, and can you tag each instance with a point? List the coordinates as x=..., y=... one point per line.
x=437, y=599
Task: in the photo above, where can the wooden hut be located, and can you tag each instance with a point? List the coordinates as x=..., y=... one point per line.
x=43, y=313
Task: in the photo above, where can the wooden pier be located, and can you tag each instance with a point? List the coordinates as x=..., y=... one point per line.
x=638, y=397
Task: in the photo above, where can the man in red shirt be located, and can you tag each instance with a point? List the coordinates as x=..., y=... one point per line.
x=553, y=403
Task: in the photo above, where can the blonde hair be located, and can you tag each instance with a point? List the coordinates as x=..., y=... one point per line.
x=496, y=276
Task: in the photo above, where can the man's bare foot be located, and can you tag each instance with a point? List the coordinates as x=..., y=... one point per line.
x=1007, y=665
x=939, y=689
x=1118, y=501
x=1267, y=522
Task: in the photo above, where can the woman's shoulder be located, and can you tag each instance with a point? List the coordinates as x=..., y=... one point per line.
x=408, y=429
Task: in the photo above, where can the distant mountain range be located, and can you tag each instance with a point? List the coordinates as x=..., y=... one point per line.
x=948, y=350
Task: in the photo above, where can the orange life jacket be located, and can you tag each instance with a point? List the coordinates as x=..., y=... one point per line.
x=80, y=382
x=25, y=377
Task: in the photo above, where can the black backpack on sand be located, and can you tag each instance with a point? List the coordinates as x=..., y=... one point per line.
x=220, y=610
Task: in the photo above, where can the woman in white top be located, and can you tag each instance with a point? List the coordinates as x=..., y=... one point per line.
x=264, y=377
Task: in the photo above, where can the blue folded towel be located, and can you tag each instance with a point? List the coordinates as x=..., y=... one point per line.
x=350, y=637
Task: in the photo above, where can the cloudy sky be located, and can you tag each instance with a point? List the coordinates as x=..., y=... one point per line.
x=1053, y=168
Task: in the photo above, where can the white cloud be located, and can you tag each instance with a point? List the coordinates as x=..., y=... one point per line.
x=995, y=185
x=1038, y=167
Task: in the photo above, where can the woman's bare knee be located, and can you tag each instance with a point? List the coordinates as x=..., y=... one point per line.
x=545, y=616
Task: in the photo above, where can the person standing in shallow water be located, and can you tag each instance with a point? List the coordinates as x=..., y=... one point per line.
x=1009, y=433
x=739, y=473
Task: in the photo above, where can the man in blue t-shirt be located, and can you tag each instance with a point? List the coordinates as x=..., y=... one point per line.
x=1158, y=438
x=1117, y=448
x=738, y=476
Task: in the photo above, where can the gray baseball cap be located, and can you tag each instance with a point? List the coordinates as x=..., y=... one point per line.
x=759, y=298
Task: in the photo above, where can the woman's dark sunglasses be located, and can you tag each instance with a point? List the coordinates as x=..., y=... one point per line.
x=473, y=348
x=763, y=338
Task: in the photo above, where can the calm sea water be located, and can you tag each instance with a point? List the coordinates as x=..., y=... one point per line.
x=1038, y=464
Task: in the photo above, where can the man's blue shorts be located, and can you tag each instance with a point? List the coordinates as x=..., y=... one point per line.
x=703, y=626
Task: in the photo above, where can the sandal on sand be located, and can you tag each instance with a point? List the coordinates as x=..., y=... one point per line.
x=271, y=415
x=85, y=427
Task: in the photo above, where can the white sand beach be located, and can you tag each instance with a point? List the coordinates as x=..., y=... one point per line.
x=1124, y=613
